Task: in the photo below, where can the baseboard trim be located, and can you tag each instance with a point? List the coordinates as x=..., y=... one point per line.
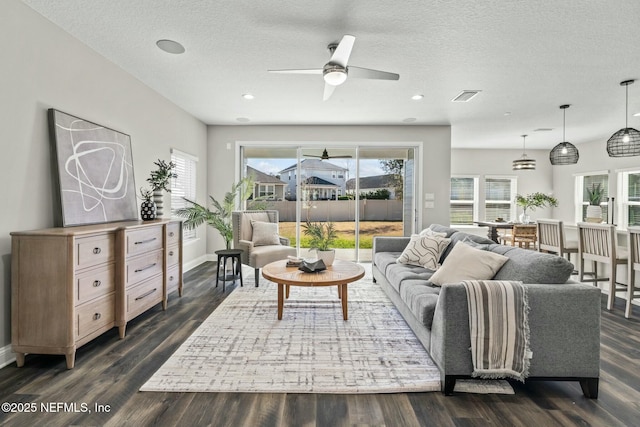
x=6, y=356
x=196, y=262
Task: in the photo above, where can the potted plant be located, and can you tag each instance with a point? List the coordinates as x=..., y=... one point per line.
x=159, y=181
x=594, y=210
x=533, y=201
x=220, y=216
x=323, y=235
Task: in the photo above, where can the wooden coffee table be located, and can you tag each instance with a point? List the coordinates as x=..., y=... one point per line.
x=339, y=274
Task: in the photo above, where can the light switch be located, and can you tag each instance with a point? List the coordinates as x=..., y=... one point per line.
x=228, y=146
x=429, y=205
x=429, y=196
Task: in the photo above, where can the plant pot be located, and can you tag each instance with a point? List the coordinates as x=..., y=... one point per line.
x=326, y=256
x=159, y=201
x=148, y=210
x=525, y=218
x=594, y=214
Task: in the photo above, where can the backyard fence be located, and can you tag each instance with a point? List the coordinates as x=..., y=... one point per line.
x=340, y=210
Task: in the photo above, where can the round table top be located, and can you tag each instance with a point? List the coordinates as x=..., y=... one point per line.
x=339, y=273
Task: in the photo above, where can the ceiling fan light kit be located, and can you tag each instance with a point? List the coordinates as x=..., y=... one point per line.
x=565, y=153
x=626, y=141
x=336, y=71
x=524, y=162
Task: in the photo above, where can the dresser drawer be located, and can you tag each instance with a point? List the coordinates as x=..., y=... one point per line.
x=94, y=250
x=95, y=283
x=173, y=279
x=173, y=256
x=143, y=267
x=173, y=233
x=143, y=296
x=144, y=240
x=95, y=314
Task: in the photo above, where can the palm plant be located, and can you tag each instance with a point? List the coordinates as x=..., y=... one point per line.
x=595, y=194
x=219, y=217
x=323, y=234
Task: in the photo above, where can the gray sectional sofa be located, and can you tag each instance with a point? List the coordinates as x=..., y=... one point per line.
x=564, y=317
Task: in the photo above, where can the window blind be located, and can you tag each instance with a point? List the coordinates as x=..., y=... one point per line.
x=184, y=186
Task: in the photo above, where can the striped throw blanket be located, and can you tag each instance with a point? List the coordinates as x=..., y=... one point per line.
x=499, y=325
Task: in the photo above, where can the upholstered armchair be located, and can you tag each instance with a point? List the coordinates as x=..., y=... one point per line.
x=256, y=233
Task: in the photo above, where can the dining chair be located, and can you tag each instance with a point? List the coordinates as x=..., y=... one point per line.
x=598, y=243
x=524, y=235
x=551, y=238
x=633, y=239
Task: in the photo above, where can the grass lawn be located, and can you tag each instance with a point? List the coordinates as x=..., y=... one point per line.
x=346, y=233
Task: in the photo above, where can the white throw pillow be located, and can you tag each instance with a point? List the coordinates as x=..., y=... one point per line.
x=424, y=251
x=265, y=233
x=467, y=263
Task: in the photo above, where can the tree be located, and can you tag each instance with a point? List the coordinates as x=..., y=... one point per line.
x=395, y=167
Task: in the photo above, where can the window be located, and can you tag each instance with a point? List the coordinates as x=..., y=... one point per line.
x=582, y=198
x=629, y=185
x=184, y=185
x=463, y=202
x=499, y=195
x=266, y=191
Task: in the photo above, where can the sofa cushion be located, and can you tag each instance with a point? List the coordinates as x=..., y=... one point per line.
x=468, y=263
x=471, y=239
x=442, y=229
x=265, y=233
x=421, y=300
x=383, y=259
x=424, y=250
x=530, y=266
x=397, y=273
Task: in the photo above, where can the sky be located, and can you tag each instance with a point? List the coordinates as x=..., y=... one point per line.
x=273, y=166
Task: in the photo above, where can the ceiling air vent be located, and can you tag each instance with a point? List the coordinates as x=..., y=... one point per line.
x=465, y=96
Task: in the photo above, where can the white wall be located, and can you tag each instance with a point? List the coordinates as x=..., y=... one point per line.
x=435, y=143
x=44, y=67
x=499, y=162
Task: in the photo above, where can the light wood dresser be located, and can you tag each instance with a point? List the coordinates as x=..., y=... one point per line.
x=70, y=285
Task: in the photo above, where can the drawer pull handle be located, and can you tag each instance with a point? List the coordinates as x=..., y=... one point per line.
x=171, y=234
x=97, y=316
x=142, y=242
x=170, y=253
x=96, y=283
x=145, y=268
x=146, y=294
x=171, y=278
x=96, y=251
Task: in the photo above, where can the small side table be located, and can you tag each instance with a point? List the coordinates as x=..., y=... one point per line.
x=236, y=265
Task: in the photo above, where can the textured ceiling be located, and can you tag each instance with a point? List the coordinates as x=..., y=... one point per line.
x=527, y=58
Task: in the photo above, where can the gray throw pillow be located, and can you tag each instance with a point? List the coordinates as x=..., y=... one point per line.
x=265, y=233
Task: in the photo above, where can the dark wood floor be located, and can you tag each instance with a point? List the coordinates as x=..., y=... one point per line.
x=109, y=372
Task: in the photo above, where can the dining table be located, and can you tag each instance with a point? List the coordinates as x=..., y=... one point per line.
x=494, y=226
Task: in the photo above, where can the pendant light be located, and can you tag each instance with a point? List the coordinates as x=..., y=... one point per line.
x=524, y=162
x=625, y=142
x=564, y=153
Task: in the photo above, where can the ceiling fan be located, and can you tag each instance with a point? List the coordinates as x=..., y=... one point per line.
x=325, y=156
x=336, y=71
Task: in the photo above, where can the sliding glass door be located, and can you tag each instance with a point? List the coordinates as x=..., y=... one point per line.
x=362, y=191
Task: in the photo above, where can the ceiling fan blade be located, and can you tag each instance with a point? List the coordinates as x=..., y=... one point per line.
x=367, y=73
x=343, y=51
x=311, y=155
x=301, y=71
x=340, y=157
x=328, y=90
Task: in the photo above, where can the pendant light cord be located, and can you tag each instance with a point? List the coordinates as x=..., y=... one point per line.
x=564, y=124
x=626, y=108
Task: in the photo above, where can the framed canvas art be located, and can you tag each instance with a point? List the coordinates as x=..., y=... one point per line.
x=94, y=171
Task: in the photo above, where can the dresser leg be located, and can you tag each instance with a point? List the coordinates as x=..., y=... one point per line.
x=164, y=304
x=71, y=359
x=20, y=359
x=121, y=330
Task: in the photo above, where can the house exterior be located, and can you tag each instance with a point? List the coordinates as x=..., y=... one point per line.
x=369, y=184
x=266, y=187
x=320, y=180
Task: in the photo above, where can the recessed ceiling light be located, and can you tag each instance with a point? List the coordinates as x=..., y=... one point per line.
x=417, y=97
x=636, y=115
x=409, y=120
x=508, y=113
x=465, y=96
x=543, y=130
x=243, y=119
x=248, y=96
x=170, y=46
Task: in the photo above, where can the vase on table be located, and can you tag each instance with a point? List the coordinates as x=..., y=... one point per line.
x=158, y=200
x=326, y=256
x=524, y=217
x=594, y=214
x=148, y=210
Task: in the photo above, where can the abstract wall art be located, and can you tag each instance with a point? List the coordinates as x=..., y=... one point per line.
x=94, y=172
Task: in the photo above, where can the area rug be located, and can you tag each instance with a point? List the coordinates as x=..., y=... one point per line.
x=242, y=347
